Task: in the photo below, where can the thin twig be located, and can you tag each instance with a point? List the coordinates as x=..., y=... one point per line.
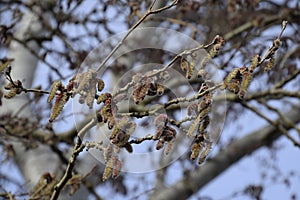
x=276, y=124
x=275, y=46
x=78, y=147
x=155, y=109
x=197, y=96
x=288, y=79
x=140, y=140
x=149, y=12
x=167, y=66
x=283, y=118
x=68, y=173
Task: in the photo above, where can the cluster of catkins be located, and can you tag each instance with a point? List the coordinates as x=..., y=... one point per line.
x=202, y=144
x=238, y=80
x=85, y=84
x=164, y=133
x=148, y=85
x=113, y=163
x=187, y=62
x=14, y=89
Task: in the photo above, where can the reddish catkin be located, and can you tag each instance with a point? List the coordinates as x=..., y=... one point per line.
x=158, y=133
x=160, y=121
x=192, y=109
x=117, y=169
x=141, y=89
x=70, y=86
x=169, y=147
x=107, y=153
x=159, y=144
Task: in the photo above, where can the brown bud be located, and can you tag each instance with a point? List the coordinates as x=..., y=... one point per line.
x=128, y=147
x=183, y=64
x=100, y=85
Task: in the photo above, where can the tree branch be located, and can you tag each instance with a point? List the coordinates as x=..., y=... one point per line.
x=78, y=147
x=149, y=12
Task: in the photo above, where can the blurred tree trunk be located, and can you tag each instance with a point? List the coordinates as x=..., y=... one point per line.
x=239, y=148
x=24, y=67
x=33, y=163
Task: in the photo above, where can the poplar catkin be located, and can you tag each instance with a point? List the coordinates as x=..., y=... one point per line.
x=54, y=88
x=60, y=101
x=230, y=76
x=183, y=64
